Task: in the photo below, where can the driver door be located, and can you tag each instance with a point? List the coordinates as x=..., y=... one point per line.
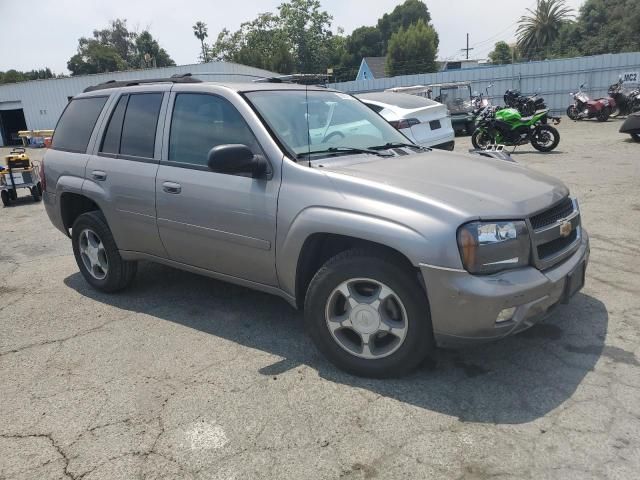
x=223, y=223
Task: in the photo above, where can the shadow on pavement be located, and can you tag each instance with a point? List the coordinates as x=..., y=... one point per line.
x=515, y=380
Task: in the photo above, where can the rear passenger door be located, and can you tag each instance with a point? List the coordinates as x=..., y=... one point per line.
x=220, y=222
x=122, y=170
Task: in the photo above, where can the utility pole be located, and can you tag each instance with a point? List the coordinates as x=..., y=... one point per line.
x=466, y=49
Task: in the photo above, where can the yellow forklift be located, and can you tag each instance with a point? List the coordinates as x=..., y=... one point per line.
x=17, y=172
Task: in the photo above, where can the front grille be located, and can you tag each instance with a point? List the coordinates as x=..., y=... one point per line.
x=549, y=249
x=551, y=216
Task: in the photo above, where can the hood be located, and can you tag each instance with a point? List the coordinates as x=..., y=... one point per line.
x=474, y=186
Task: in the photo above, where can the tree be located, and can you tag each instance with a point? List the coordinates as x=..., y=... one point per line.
x=200, y=32
x=260, y=43
x=412, y=50
x=404, y=15
x=297, y=39
x=608, y=27
x=15, y=76
x=501, y=54
x=308, y=29
x=115, y=48
x=149, y=53
x=94, y=57
x=537, y=31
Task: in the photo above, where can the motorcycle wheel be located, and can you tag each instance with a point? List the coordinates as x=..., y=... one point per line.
x=635, y=137
x=572, y=112
x=481, y=139
x=545, y=138
x=603, y=115
x=615, y=112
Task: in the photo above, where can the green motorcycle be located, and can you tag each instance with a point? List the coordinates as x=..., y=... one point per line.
x=508, y=127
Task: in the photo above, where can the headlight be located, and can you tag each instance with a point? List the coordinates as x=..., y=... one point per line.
x=489, y=247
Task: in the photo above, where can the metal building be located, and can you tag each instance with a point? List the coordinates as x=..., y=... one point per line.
x=36, y=105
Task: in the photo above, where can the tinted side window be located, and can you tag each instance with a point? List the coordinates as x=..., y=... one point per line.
x=76, y=124
x=140, y=122
x=111, y=141
x=200, y=122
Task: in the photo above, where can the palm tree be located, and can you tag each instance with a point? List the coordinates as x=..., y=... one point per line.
x=200, y=31
x=537, y=31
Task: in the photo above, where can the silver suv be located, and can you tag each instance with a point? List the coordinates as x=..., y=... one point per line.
x=390, y=248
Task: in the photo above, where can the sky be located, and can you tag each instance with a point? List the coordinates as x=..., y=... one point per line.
x=46, y=33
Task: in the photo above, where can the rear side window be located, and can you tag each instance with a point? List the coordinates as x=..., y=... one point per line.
x=140, y=122
x=76, y=124
x=200, y=122
x=111, y=141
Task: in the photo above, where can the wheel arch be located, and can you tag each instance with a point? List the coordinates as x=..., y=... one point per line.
x=318, y=234
x=72, y=205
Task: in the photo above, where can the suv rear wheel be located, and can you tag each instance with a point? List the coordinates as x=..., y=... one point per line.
x=97, y=255
x=368, y=315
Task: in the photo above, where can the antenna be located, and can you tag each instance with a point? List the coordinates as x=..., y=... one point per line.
x=467, y=49
x=306, y=101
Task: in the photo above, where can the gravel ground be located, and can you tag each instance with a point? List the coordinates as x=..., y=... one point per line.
x=185, y=377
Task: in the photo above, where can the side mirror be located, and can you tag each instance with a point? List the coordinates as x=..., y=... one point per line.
x=236, y=159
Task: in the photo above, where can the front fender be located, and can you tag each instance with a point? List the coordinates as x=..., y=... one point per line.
x=315, y=220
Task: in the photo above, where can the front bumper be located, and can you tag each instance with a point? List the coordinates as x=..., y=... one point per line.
x=464, y=307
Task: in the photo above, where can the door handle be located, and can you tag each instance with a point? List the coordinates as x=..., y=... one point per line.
x=171, y=187
x=99, y=175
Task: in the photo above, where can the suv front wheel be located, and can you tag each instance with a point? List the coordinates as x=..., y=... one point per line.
x=369, y=315
x=97, y=255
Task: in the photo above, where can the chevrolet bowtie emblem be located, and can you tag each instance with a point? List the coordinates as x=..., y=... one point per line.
x=565, y=229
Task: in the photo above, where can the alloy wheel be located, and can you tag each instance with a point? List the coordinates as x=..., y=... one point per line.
x=366, y=318
x=93, y=254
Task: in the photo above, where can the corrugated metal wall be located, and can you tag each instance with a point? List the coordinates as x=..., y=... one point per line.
x=554, y=79
x=44, y=100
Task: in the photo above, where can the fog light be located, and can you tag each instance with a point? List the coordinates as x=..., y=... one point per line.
x=506, y=315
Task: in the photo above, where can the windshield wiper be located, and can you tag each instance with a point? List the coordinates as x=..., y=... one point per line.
x=389, y=145
x=338, y=150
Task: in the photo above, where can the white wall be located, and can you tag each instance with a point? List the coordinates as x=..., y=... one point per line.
x=44, y=100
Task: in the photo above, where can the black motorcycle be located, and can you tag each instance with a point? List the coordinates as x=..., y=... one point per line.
x=527, y=106
x=632, y=126
x=626, y=103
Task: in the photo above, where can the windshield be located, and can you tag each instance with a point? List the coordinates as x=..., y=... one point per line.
x=457, y=99
x=323, y=122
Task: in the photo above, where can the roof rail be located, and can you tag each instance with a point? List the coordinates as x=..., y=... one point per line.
x=177, y=78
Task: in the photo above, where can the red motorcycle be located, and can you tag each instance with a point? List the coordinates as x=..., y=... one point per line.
x=583, y=107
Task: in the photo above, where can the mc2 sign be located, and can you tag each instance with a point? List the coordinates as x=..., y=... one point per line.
x=630, y=77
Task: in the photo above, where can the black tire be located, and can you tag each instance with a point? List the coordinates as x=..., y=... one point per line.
x=120, y=273
x=35, y=193
x=615, y=112
x=384, y=268
x=6, y=199
x=481, y=139
x=635, y=137
x=603, y=115
x=572, y=112
x=545, y=130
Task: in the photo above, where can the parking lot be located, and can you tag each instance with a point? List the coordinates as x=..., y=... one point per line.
x=182, y=376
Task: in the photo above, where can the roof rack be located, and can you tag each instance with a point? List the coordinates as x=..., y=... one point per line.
x=178, y=78
x=299, y=78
